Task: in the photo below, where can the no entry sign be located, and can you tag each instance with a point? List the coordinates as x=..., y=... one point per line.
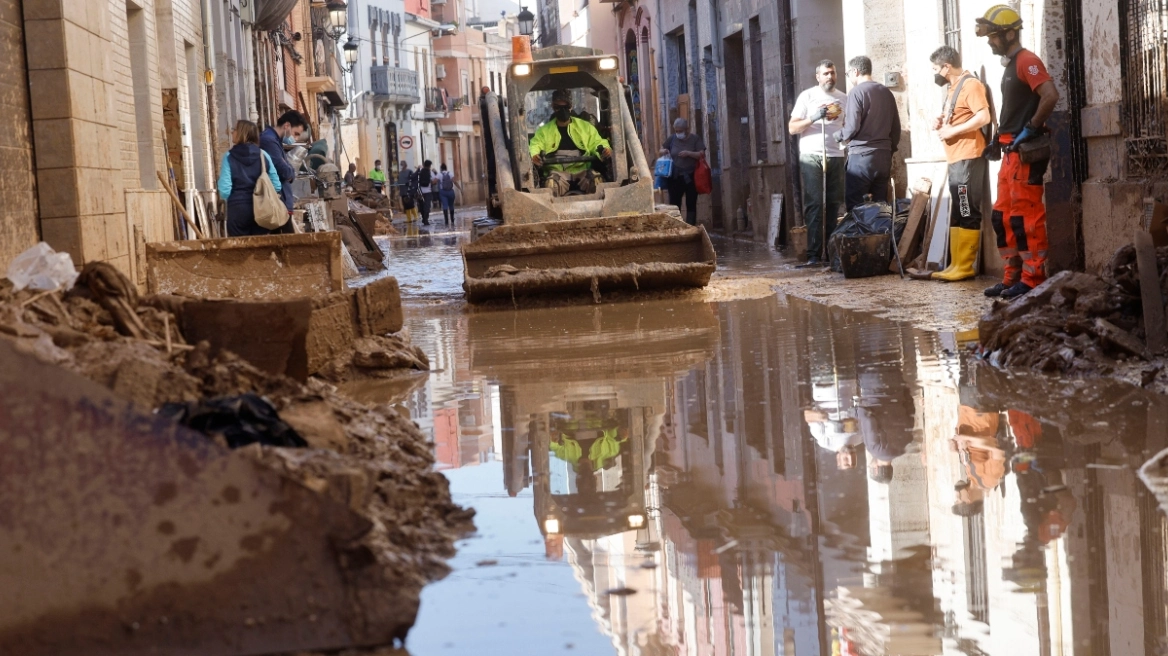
x=406, y=142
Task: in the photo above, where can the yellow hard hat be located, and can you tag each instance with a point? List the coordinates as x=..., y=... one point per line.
x=998, y=18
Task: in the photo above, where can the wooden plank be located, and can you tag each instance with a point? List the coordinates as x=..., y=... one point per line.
x=1154, y=324
x=937, y=193
x=910, y=239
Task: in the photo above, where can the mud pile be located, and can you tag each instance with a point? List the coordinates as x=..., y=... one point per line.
x=1075, y=322
x=370, y=458
x=362, y=189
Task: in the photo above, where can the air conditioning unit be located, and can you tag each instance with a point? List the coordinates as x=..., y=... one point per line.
x=440, y=71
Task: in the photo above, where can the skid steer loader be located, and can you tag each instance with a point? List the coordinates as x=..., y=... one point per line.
x=614, y=238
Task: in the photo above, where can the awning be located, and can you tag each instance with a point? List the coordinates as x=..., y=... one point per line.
x=270, y=13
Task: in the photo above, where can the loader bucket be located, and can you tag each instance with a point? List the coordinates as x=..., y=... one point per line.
x=648, y=251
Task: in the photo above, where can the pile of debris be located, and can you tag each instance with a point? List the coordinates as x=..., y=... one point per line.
x=371, y=460
x=1081, y=323
x=364, y=193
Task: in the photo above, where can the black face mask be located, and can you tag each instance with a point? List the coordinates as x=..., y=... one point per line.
x=563, y=113
x=941, y=80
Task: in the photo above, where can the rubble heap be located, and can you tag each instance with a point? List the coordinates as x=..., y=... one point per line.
x=363, y=193
x=371, y=459
x=1074, y=322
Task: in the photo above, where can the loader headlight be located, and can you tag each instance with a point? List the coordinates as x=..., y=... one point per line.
x=636, y=521
x=608, y=64
x=551, y=525
x=521, y=70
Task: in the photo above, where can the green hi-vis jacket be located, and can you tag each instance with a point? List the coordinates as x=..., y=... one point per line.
x=547, y=141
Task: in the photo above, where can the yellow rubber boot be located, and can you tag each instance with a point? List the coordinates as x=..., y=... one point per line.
x=963, y=247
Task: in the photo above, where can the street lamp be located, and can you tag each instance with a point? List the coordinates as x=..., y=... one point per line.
x=350, y=49
x=526, y=21
x=338, y=16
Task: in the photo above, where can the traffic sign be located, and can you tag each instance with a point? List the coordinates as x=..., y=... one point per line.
x=406, y=142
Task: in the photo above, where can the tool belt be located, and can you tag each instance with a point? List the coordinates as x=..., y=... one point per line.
x=1035, y=149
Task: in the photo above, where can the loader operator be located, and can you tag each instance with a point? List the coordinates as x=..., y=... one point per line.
x=568, y=136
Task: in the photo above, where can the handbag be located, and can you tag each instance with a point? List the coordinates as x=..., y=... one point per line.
x=270, y=211
x=703, y=178
x=664, y=167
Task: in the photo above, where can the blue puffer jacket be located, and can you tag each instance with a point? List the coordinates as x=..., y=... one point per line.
x=238, y=174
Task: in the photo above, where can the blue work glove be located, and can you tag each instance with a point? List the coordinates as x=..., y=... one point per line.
x=1026, y=134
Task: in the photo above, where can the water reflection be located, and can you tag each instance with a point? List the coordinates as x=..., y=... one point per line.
x=776, y=477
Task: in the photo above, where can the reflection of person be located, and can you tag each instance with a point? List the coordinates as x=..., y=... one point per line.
x=601, y=451
x=965, y=112
x=819, y=109
x=1028, y=98
x=976, y=444
x=872, y=133
x=686, y=149
x=568, y=136
x=839, y=436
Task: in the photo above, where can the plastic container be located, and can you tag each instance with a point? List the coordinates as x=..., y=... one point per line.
x=865, y=256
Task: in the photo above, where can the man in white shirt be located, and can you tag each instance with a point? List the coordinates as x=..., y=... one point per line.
x=817, y=111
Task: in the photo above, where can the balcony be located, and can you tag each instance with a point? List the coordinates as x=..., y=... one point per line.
x=436, y=103
x=394, y=85
x=325, y=75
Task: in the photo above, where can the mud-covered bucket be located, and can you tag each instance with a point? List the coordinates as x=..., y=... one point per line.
x=865, y=255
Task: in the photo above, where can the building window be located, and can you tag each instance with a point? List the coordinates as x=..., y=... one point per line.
x=950, y=15
x=682, y=72
x=1144, y=24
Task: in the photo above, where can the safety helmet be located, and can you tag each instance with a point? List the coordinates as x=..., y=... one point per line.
x=998, y=18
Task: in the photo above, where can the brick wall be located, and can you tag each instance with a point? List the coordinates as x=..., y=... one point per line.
x=18, y=213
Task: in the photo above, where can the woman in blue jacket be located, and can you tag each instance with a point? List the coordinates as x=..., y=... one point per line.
x=238, y=174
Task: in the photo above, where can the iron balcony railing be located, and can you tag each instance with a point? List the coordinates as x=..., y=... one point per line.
x=394, y=85
x=435, y=101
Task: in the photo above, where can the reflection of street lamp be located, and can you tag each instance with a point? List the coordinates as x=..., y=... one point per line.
x=526, y=21
x=350, y=49
x=338, y=17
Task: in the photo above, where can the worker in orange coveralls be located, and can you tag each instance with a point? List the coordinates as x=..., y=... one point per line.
x=1028, y=98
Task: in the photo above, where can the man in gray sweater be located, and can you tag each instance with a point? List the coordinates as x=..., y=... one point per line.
x=872, y=133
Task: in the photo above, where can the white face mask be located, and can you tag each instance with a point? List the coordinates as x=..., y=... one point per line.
x=679, y=134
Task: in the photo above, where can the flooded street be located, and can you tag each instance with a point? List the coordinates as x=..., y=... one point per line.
x=772, y=476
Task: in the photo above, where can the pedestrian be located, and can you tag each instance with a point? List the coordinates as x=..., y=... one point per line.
x=872, y=133
x=686, y=149
x=409, y=193
x=425, y=187
x=1028, y=98
x=818, y=111
x=287, y=130
x=241, y=167
x=959, y=126
x=446, y=195
x=350, y=175
x=377, y=176
x=403, y=180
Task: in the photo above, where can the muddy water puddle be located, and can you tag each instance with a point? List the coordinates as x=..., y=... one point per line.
x=776, y=477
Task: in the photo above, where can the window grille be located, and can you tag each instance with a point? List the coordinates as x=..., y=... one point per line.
x=952, y=25
x=1145, y=111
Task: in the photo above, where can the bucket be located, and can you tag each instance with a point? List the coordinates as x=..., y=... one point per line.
x=797, y=238
x=864, y=256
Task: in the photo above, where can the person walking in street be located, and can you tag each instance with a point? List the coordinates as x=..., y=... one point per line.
x=425, y=187
x=817, y=111
x=686, y=149
x=959, y=126
x=410, y=193
x=446, y=195
x=872, y=133
x=1028, y=98
x=288, y=129
x=377, y=177
x=403, y=180
x=239, y=171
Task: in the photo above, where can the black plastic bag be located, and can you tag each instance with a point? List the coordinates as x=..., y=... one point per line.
x=871, y=218
x=241, y=420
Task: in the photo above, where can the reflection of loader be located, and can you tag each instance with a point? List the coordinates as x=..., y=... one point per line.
x=610, y=239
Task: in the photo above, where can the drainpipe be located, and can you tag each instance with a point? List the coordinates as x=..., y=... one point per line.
x=247, y=19
x=209, y=88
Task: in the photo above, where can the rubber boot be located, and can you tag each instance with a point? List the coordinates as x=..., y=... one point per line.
x=963, y=247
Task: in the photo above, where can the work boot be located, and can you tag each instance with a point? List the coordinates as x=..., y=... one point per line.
x=1018, y=289
x=963, y=247
x=996, y=290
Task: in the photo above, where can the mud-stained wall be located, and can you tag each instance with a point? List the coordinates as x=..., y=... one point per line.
x=18, y=213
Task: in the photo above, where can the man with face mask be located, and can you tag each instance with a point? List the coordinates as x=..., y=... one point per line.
x=1028, y=98
x=568, y=136
x=965, y=112
x=289, y=127
x=686, y=149
x=817, y=110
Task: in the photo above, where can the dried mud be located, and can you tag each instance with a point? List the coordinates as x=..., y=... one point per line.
x=369, y=457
